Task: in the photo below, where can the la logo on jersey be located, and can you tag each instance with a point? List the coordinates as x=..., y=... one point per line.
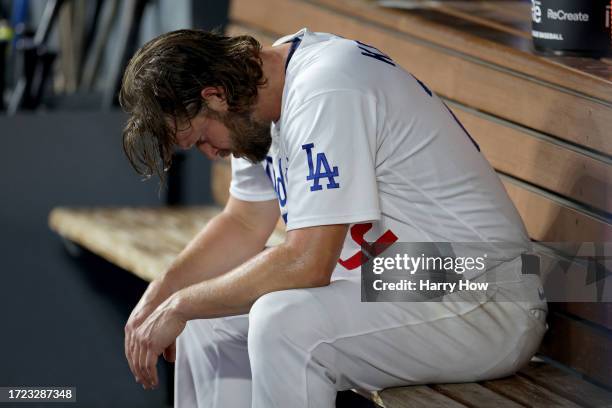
x=322, y=169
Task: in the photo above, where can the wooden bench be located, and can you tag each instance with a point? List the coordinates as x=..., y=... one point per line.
x=543, y=123
x=143, y=241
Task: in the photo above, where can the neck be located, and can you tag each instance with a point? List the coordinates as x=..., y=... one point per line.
x=270, y=95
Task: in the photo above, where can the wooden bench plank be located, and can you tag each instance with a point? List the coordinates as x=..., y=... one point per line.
x=475, y=395
x=453, y=76
x=130, y=237
x=417, y=396
x=567, y=385
x=143, y=241
x=527, y=393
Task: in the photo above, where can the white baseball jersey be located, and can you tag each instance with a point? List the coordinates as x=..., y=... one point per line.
x=361, y=141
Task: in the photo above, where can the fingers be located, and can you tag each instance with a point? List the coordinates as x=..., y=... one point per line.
x=128, y=345
x=151, y=368
x=145, y=361
x=143, y=373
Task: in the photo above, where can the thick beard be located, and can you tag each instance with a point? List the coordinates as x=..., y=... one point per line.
x=251, y=139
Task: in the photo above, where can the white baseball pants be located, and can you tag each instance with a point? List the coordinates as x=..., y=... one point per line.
x=297, y=348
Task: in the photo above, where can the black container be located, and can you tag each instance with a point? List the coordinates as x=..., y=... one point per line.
x=572, y=27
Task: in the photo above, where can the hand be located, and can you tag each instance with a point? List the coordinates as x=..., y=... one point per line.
x=153, y=296
x=156, y=335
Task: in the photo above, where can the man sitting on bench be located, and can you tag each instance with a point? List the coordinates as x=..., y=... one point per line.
x=348, y=148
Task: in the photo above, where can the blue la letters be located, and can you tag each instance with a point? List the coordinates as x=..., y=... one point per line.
x=322, y=170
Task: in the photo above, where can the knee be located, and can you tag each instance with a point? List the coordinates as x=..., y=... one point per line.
x=201, y=335
x=184, y=345
x=285, y=317
x=187, y=342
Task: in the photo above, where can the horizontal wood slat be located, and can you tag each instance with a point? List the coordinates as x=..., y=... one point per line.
x=567, y=385
x=418, y=396
x=517, y=153
x=533, y=104
x=527, y=393
x=579, y=345
x=549, y=221
x=475, y=395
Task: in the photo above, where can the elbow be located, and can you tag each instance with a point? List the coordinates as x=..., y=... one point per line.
x=317, y=273
x=311, y=271
x=307, y=269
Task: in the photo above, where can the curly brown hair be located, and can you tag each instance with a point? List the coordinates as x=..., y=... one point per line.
x=162, y=84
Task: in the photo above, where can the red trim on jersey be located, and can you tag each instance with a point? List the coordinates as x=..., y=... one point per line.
x=368, y=250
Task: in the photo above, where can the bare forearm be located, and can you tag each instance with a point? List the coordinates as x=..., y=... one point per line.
x=235, y=292
x=283, y=267
x=222, y=245
x=228, y=240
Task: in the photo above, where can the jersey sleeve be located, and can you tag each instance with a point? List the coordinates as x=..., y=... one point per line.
x=331, y=175
x=250, y=182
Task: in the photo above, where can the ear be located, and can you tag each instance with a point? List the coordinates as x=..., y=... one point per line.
x=214, y=96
